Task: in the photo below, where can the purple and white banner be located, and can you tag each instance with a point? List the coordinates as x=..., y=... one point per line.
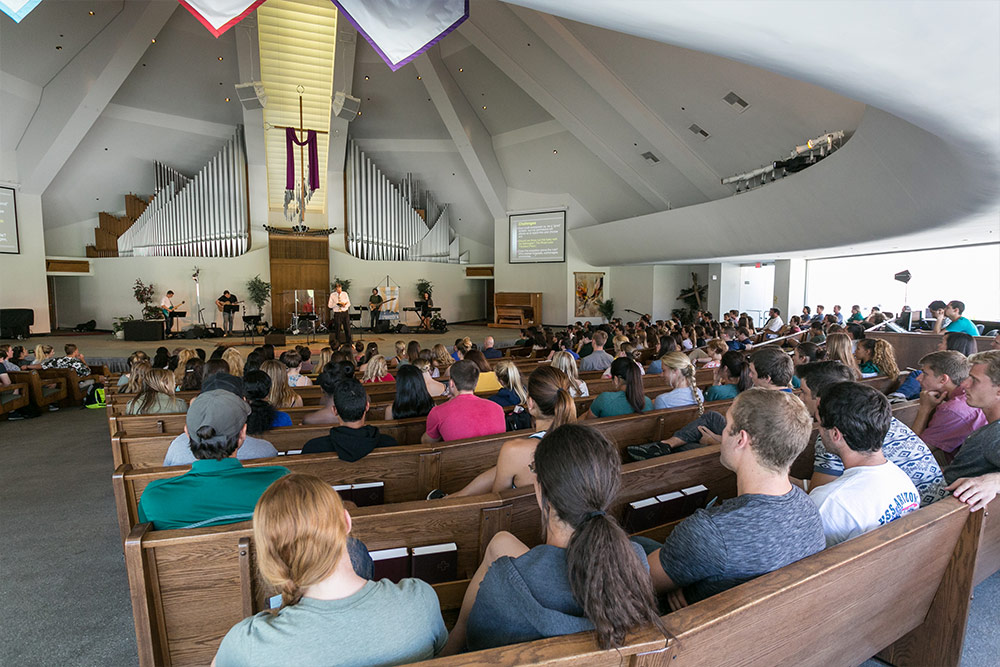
x=400, y=30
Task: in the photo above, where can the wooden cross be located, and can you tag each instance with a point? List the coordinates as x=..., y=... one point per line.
x=301, y=130
x=694, y=291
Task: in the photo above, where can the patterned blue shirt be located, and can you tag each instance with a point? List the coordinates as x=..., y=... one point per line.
x=904, y=448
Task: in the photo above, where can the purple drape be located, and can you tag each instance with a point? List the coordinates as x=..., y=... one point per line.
x=292, y=140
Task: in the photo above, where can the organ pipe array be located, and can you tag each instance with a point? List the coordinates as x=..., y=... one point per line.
x=382, y=220
x=204, y=216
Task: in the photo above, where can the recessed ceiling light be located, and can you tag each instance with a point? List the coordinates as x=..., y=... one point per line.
x=366, y=77
x=58, y=48
x=227, y=99
x=91, y=13
x=419, y=77
x=220, y=58
x=461, y=69
x=153, y=40
x=359, y=113
x=555, y=152
x=484, y=107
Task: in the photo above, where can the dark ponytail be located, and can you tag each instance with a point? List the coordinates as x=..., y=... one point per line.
x=257, y=385
x=628, y=372
x=548, y=387
x=579, y=476
x=736, y=364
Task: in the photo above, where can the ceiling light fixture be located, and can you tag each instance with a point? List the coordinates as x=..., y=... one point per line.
x=227, y=99
x=366, y=77
x=58, y=48
x=555, y=152
x=91, y=13
x=153, y=40
x=419, y=77
x=461, y=69
x=220, y=59
x=484, y=107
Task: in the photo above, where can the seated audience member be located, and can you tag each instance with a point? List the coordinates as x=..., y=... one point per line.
x=944, y=418
x=876, y=357
x=567, y=364
x=840, y=347
x=489, y=351
x=156, y=395
x=377, y=370
x=306, y=354
x=774, y=323
x=137, y=377
x=412, y=398
x=627, y=397
x=353, y=439
x=183, y=357
x=234, y=359
x=551, y=406
x=73, y=359
x=330, y=610
x=958, y=341
x=730, y=378
x=282, y=395
x=267, y=351
x=585, y=343
x=465, y=415
x=838, y=315
x=665, y=344
x=335, y=373
x=806, y=315
x=326, y=353
x=442, y=360
x=598, y=360
x=218, y=489
x=995, y=343
x=293, y=363
x=412, y=351
x=400, y=356
x=44, y=351
x=135, y=358
x=512, y=391
x=900, y=445
x=816, y=333
x=193, y=375
x=974, y=476
x=561, y=587
x=856, y=315
x=487, y=376
x=954, y=311
x=872, y=491
x=253, y=362
x=434, y=388
x=161, y=358
x=358, y=354
x=805, y=353
x=263, y=417
x=214, y=367
x=771, y=368
x=713, y=353
x=770, y=524
x=678, y=374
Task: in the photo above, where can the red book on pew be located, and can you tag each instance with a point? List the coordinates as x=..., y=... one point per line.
x=641, y=515
x=672, y=506
x=345, y=492
x=392, y=564
x=696, y=497
x=368, y=493
x=435, y=563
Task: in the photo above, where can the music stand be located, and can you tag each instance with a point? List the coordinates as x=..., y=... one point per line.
x=252, y=321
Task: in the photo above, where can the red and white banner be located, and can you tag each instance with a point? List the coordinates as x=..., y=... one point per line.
x=220, y=15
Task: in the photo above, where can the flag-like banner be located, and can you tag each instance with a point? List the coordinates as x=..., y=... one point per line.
x=400, y=30
x=18, y=9
x=220, y=15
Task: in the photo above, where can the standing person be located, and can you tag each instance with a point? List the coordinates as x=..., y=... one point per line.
x=340, y=306
x=227, y=305
x=168, y=308
x=375, y=302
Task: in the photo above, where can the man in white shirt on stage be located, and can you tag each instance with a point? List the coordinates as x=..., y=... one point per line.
x=340, y=306
x=167, y=305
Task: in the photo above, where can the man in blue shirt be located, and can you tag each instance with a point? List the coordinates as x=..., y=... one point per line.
x=953, y=311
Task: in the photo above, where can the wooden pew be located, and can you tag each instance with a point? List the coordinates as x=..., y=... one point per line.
x=74, y=394
x=40, y=394
x=13, y=397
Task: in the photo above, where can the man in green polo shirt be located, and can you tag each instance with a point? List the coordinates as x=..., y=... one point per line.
x=218, y=489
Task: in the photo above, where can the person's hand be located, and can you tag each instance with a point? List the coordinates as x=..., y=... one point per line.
x=708, y=437
x=677, y=600
x=977, y=492
x=931, y=399
x=938, y=314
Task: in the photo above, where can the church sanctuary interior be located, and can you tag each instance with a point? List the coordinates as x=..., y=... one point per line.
x=500, y=332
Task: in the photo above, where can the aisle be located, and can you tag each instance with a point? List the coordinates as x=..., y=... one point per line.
x=63, y=590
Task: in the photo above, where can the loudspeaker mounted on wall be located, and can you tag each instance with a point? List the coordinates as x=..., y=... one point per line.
x=251, y=95
x=345, y=106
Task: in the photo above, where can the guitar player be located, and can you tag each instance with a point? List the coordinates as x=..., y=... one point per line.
x=168, y=308
x=227, y=304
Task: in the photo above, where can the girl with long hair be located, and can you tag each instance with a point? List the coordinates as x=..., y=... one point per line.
x=551, y=406
x=730, y=378
x=301, y=534
x=324, y=358
x=412, y=351
x=512, y=392
x=839, y=348
x=593, y=576
x=263, y=417
x=378, y=371
x=281, y=395
x=253, y=362
x=136, y=357
x=370, y=351
x=192, y=375
x=42, y=352
x=434, y=388
x=876, y=355
x=182, y=359
x=400, y=357
x=137, y=377
x=627, y=397
x=234, y=358
x=157, y=395
x=567, y=364
x=442, y=360
x=488, y=380
x=713, y=353
x=162, y=358
x=412, y=398
x=678, y=374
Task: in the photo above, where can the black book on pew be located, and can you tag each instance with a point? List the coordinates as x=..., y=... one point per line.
x=391, y=564
x=365, y=494
x=641, y=515
x=435, y=563
x=345, y=491
x=672, y=506
x=696, y=497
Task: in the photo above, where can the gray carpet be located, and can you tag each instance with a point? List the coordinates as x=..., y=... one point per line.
x=63, y=591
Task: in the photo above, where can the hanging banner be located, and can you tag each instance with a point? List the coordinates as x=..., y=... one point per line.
x=18, y=9
x=390, y=302
x=220, y=15
x=400, y=30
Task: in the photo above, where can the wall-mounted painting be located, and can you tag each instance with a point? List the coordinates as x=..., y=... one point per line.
x=588, y=292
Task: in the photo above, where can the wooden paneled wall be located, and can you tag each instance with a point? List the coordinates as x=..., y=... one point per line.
x=297, y=263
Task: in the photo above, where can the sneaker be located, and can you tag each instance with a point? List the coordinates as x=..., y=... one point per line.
x=53, y=407
x=14, y=415
x=648, y=451
x=435, y=494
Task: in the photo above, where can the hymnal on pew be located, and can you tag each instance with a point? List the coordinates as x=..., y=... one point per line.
x=392, y=564
x=696, y=497
x=641, y=515
x=435, y=563
x=368, y=493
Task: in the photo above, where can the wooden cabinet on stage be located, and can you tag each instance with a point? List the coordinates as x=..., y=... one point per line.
x=517, y=309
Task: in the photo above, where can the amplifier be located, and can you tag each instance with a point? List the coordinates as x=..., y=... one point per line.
x=274, y=339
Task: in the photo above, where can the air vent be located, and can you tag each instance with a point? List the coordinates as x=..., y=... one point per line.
x=702, y=134
x=736, y=102
x=648, y=155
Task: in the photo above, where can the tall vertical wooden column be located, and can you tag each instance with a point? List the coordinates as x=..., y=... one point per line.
x=297, y=263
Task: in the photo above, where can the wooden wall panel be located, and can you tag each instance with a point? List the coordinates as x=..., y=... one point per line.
x=297, y=263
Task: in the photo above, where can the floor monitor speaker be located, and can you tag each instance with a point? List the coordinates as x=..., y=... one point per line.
x=274, y=339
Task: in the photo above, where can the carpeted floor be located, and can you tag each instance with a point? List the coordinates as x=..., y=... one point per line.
x=63, y=591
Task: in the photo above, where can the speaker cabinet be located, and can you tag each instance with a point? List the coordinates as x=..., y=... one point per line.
x=274, y=339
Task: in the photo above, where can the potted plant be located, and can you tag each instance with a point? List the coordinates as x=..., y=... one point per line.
x=118, y=326
x=345, y=283
x=143, y=293
x=424, y=285
x=606, y=308
x=258, y=292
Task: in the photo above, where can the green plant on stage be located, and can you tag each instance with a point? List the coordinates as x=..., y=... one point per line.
x=424, y=285
x=258, y=292
x=345, y=283
x=606, y=308
x=144, y=295
x=119, y=323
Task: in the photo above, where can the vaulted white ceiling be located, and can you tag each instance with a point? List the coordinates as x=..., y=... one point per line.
x=574, y=94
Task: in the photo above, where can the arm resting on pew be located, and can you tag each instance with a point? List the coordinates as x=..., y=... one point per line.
x=976, y=491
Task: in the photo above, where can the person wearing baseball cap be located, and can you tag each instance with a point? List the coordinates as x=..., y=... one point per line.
x=218, y=489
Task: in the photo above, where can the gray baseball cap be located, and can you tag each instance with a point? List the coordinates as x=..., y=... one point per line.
x=223, y=410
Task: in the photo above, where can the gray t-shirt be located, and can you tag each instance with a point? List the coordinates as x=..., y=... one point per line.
x=744, y=537
x=979, y=455
x=179, y=452
x=382, y=624
x=598, y=360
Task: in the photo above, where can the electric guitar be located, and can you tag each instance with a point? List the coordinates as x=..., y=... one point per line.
x=167, y=311
x=378, y=306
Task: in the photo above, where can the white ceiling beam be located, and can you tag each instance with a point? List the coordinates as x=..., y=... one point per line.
x=77, y=96
x=513, y=60
x=633, y=110
x=474, y=143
